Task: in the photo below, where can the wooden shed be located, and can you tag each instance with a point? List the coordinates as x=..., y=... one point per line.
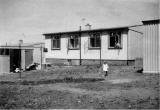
x=12, y=57
x=20, y=56
x=151, y=46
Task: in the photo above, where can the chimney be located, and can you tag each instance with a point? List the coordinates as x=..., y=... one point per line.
x=21, y=41
x=88, y=26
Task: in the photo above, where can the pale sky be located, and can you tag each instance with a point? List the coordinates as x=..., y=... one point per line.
x=29, y=19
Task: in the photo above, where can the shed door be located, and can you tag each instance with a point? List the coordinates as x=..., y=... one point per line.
x=28, y=57
x=4, y=63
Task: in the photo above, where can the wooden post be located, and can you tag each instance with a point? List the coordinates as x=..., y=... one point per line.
x=80, y=59
x=20, y=60
x=100, y=50
x=41, y=56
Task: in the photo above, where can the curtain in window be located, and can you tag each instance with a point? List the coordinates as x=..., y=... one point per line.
x=74, y=42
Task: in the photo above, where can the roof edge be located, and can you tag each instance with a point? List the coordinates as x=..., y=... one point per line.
x=154, y=21
x=91, y=30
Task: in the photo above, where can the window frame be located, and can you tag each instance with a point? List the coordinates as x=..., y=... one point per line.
x=52, y=38
x=119, y=47
x=89, y=39
x=69, y=44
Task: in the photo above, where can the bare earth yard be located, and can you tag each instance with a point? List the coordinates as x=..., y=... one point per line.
x=80, y=88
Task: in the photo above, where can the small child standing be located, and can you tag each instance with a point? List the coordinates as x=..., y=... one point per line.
x=105, y=68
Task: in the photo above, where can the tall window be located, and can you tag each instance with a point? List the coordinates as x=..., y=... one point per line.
x=56, y=42
x=95, y=41
x=74, y=42
x=115, y=40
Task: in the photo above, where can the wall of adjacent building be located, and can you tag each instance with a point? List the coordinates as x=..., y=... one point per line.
x=135, y=42
x=151, y=50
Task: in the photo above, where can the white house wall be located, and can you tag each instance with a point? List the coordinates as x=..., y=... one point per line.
x=63, y=53
x=38, y=54
x=86, y=53
x=114, y=54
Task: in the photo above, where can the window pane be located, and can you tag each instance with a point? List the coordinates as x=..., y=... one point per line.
x=71, y=43
x=112, y=41
x=92, y=42
x=98, y=42
x=58, y=43
x=95, y=40
x=54, y=44
x=74, y=41
x=115, y=39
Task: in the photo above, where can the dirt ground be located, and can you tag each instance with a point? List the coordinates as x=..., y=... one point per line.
x=81, y=88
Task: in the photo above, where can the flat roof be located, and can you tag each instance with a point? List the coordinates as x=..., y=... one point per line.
x=15, y=47
x=153, y=21
x=22, y=46
x=91, y=30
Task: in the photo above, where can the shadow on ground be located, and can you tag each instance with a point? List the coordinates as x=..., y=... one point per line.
x=50, y=81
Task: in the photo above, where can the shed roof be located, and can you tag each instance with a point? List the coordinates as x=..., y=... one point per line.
x=22, y=46
x=16, y=47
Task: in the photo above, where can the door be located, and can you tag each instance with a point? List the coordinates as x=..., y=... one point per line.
x=28, y=57
x=4, y=64
x=15, y=59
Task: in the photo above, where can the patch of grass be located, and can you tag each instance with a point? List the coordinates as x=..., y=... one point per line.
x=29, y=93
x=28, y=97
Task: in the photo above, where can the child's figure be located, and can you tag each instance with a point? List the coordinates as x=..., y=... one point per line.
x=105, y=68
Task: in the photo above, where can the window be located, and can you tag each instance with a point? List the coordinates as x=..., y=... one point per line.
x=95, y=41
x=45, y=50
x=74, y=42
x=115, y=40
x=56, y=42
x=4, y=51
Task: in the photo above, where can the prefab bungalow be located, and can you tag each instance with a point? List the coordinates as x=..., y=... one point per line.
x=118, y=46
x=151, y=46
x=20, y=56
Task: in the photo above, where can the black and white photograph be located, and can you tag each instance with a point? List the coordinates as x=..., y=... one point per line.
x=80, y=54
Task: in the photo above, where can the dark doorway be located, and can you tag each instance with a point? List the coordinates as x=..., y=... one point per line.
x=15, y=59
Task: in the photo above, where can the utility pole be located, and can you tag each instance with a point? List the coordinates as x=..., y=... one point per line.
x=80, y=46
x=20, y=41
x=41, y=56
x=100, y=49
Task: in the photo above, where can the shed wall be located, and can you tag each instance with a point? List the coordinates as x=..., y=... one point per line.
x=135, y=42
x=151, y=44
x=4, y=64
